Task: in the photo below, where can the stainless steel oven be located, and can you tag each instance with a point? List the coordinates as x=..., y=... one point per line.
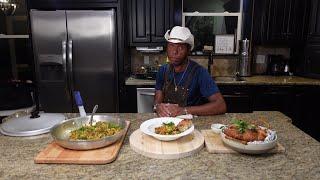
x=145, y=99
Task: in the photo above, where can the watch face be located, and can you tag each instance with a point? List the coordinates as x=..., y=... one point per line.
x=155, y=107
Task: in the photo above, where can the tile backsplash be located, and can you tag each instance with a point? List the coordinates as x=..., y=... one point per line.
x=222, y=65
x=139, y=59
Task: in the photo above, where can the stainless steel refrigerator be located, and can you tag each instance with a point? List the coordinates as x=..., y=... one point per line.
x=75, y=50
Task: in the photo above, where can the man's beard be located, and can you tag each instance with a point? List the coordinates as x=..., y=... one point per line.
x=179, y=63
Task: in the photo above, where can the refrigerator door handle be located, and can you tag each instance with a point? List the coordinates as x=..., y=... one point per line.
x=70, y=72
x=64, y=64
x=64, y=56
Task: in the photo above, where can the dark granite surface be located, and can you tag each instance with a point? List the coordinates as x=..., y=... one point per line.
x=253, y=80
x=300, y=161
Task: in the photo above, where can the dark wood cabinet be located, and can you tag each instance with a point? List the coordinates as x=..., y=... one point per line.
x=314, y=21
x=238, y=98
x=273, y=98
x=140, y=21
x=286, y=22
x=312, y=45
x=149, y=20
x=306, y=110
x=312, y=60
x=279, y=22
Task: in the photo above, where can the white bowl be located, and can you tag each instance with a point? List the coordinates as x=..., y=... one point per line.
x=249, y=148
x=148, y=127
x=217, y=128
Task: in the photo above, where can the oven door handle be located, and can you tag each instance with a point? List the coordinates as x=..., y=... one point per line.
x=146, y=94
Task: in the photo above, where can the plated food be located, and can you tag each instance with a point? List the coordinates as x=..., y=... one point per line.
x=171, y=129
x=249, y=138
x=78, y=135
x=245, y=132
x=167, y=128
x=95, y=132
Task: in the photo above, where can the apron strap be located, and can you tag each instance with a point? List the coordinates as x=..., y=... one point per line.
x=167, y=73
x=193, y=70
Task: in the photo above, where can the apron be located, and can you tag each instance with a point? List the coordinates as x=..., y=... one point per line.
x=178, y=95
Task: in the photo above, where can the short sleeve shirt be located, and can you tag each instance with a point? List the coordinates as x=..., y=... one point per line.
x=201, y=87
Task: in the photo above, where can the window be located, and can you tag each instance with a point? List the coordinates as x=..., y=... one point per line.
x=206, y=18
x=15, y=46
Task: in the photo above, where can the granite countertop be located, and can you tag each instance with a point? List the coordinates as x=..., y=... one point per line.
x=300, y=161
x=253, y=80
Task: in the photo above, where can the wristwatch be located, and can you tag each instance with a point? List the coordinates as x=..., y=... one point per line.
x=155, y=107
x=185, y=111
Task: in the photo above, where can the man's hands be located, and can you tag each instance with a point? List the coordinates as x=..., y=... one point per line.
x=169, y=110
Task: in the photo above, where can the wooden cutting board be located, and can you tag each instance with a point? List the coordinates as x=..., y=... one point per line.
x=154, y=148
x=214, y=144
x=55, y=154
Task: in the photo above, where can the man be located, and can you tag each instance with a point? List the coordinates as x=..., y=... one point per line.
x=183, y=86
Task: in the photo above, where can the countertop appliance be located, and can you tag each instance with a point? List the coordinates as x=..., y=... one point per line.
x=276, y=66
x=75, y=50
x=244, y=65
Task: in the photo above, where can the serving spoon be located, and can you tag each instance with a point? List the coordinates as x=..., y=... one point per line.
x=93, y=112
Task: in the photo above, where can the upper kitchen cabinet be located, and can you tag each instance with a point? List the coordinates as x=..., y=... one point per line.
x=314, y=22
x=280, y=22
x=15, y=45
x=149, y=20
x=312, y=46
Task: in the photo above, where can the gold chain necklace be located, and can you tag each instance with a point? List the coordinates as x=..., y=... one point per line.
x=174, y=79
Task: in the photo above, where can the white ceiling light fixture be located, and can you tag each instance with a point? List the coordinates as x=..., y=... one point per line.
x=8, y=7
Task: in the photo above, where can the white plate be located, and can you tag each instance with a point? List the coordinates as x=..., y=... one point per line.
x=217, y=128
x=148, y=127
x=185, y=116
x=249, y=148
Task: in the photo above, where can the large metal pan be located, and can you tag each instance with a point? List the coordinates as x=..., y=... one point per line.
x=61, y=132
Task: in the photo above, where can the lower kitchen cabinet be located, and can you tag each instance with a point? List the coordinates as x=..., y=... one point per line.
x=237, y=98
x=306, y=110
x=274, y=98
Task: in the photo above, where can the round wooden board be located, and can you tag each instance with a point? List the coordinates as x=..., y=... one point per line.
x=154, y=148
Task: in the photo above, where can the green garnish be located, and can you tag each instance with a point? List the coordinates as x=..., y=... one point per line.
x=169, y=124
x=242, y=126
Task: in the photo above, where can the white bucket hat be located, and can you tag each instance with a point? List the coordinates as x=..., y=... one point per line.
x=180, y=34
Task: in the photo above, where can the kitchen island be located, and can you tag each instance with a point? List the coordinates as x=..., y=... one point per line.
x=300, y=161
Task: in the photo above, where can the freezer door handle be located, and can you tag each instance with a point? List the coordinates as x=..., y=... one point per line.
x=70, y=71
